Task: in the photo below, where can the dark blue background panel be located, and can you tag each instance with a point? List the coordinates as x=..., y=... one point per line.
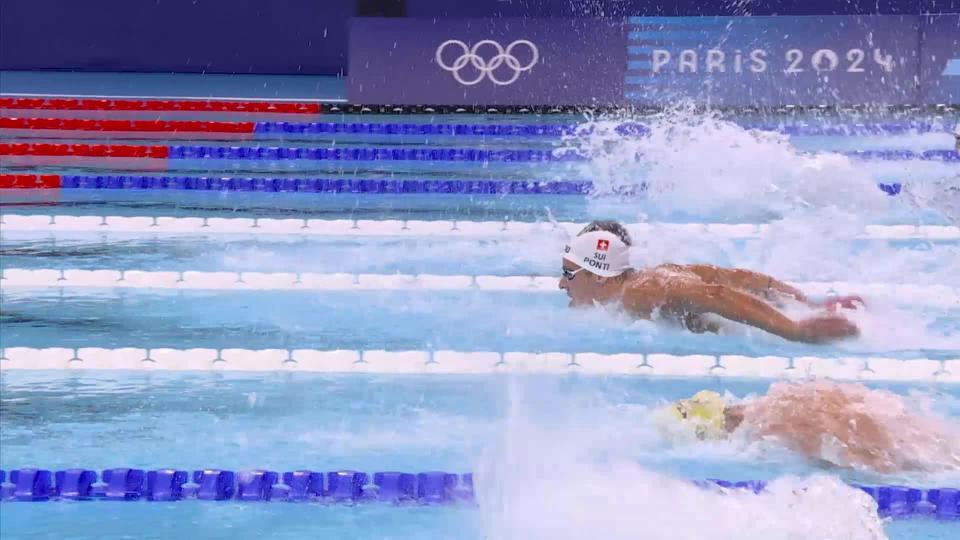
x=192, y=36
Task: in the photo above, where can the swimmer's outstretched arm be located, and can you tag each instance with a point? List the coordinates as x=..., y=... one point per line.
x=693, y=297
x=754, y=282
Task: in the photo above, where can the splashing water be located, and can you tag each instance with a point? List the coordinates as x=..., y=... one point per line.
x=699, y=164
x=559, y=480
x=942, y=196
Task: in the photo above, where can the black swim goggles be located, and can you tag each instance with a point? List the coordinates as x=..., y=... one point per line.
x=570, y=274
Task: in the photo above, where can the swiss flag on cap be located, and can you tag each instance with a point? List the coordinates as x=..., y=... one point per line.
x=603, y=245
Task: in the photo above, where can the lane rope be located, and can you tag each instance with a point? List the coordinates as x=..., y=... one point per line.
x=326, y=185
x=21, y=101
x=940, y=296
x=315, y=185
x=42, y=125
x=426, y=488
x=12, y=151
x=446, y=362
x=121, y=103
x=432, y=228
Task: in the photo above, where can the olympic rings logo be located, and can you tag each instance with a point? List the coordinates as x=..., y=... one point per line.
x=487, y=68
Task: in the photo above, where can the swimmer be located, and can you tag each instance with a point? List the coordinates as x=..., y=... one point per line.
x=845, y=425
x=956, y=138
x=596, y=271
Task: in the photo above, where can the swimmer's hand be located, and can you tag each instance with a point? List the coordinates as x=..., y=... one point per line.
x=825, y=328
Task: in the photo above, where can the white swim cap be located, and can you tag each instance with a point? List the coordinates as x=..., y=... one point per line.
x=599, y=252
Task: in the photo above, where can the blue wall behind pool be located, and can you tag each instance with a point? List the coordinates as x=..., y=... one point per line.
x=191, y=36
x=299, y=36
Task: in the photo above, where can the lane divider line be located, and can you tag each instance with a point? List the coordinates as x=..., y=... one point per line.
x=156, y=105
x=14, y=278
x=163, y=127
x=273, y=153
x=417, y=228
x=22, y=127
x=325, y=185
x=305, y=185
x=338, y=105
x=483, y=363
x=352, y=487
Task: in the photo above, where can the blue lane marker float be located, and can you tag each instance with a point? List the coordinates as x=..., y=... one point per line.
x=435, y=487
x=899, y=155
x=329, y=185
x=561, y=130
x=123, y=484
x=462, y=155
x=273, y=153
x=343, y=185
x=367, y=128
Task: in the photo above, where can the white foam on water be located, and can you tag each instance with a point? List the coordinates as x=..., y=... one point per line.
x=703, y=165
x=888, y=327
x=942, y=195
x=556, y=480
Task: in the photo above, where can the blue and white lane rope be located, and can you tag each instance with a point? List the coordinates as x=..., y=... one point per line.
x=562, y=130
x=78, y=280
x=357, y=185
x=352, y=487
x=414, y=228
x=445, y=362
x=347, y=185
x=559, y=155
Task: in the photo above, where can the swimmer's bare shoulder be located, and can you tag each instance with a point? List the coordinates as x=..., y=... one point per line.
x=644, y=293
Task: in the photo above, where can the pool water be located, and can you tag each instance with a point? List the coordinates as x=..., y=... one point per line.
x=565, y=456
x=289, y=421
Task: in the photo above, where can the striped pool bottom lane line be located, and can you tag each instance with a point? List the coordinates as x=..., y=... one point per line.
x=79, y=280
x=447, y=362
x=53, y=224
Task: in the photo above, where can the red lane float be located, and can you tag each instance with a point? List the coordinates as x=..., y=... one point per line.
x=158, y=105
x=127, y=157
x=152, y=126
x=29, y=181
x=84, y=150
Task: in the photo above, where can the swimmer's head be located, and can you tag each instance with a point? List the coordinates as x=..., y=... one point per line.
x=701, y=417
x=596, y=262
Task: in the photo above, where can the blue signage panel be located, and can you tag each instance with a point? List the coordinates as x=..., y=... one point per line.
x=486, y=61
x=766, y=61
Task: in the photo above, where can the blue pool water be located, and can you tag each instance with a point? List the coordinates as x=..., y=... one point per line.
x=595, y=430
x=290, y=421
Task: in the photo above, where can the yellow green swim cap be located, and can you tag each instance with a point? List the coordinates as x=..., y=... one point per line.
x=701, y=413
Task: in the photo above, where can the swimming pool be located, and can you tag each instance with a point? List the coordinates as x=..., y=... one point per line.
x=570, y=453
